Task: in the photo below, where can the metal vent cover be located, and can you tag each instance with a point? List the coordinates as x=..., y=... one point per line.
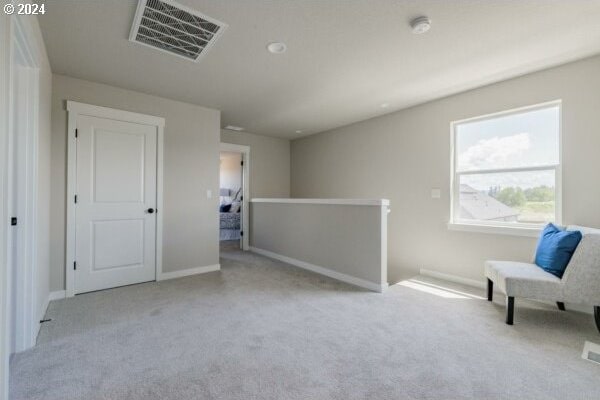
x=591, y=352
x=171, y=27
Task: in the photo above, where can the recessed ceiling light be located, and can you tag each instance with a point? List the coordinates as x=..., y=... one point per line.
x=234, y=128
x=384, y=105
x=277, y=47
x=420, y=25
x=298, y=131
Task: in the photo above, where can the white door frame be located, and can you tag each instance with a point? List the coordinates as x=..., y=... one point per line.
x=74, y=109
x=4, y=132
x=245, y=150
x=22, y=283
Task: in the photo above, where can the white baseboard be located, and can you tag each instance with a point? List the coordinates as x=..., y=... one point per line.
x=323, y=271
x=59, y=294
x=452, y=278
x=187, y=272
x=482, y=285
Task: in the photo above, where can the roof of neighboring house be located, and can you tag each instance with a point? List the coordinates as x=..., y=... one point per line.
x=477, y=205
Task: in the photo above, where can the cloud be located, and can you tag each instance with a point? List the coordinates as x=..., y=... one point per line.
x=495, y=152
x=524, y=180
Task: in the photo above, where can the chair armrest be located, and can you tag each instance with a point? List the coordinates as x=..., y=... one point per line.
x=582, y=276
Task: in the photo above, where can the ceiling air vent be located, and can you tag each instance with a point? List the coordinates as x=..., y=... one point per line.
x=168, y=26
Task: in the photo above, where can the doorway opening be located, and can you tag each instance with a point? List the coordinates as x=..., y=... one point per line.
x=233, y=197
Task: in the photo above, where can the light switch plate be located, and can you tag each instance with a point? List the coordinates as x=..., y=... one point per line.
x=436, y=193
x=209, y=194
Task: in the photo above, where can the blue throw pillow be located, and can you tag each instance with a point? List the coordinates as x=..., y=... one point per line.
x=555, y=249
x=224, y=207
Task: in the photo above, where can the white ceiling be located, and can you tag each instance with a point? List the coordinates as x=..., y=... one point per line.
x=345, y=57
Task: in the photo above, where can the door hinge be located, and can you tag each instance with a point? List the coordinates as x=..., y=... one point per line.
x=75, y=265
x=76, y=133
x=13, y=221
x=241, y=233
x=242, y=163
x=75, y=199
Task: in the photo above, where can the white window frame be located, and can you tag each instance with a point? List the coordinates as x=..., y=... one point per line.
x=499, y=227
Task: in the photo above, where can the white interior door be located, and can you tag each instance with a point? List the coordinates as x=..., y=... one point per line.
x=115, y=233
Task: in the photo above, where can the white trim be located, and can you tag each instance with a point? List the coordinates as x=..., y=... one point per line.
x=73, y=110
x=452, y=278
x=160, y=151
x=516, y=110
x=486, y=226
x=526, y=231
x=385, y=210
x=57, y=295
x=189, y=271
x=25, y=288
x=348, y=202
x=60, y=294
x=234, y=148
x=324, y=271
x=245, y=151
x=5, y=39
x=549, y=167
x=111, y=113
x=70, y=214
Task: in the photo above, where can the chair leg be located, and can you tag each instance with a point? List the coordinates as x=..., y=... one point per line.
x=510, y=309
x=597, y=316
x=561, y=305
x=490, y=290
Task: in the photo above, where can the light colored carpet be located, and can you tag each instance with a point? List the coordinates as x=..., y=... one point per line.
x=260, y=329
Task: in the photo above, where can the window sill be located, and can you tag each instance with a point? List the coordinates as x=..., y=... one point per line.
x=525, y=231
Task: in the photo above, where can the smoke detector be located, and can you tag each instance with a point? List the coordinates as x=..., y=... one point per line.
x=420, y=25
x=173, y=28
x=277, y=47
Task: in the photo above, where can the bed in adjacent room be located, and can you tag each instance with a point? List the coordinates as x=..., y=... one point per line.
x=230, y=216
x=229, y=224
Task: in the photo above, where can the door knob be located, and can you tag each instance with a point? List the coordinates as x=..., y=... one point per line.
x=150, y=211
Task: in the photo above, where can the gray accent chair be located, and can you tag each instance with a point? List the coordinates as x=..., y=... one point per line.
x=580, y=283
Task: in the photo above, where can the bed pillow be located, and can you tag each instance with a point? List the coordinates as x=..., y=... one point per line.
x=235, y=207
x=224, y=207
x=555, y=249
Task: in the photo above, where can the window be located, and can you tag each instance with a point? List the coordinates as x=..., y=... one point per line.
x=506, y=168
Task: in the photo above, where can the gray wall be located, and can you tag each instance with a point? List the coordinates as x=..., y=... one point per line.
x=191, y=167
x=403, y=155
x=342, y=238
x=269, y=163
